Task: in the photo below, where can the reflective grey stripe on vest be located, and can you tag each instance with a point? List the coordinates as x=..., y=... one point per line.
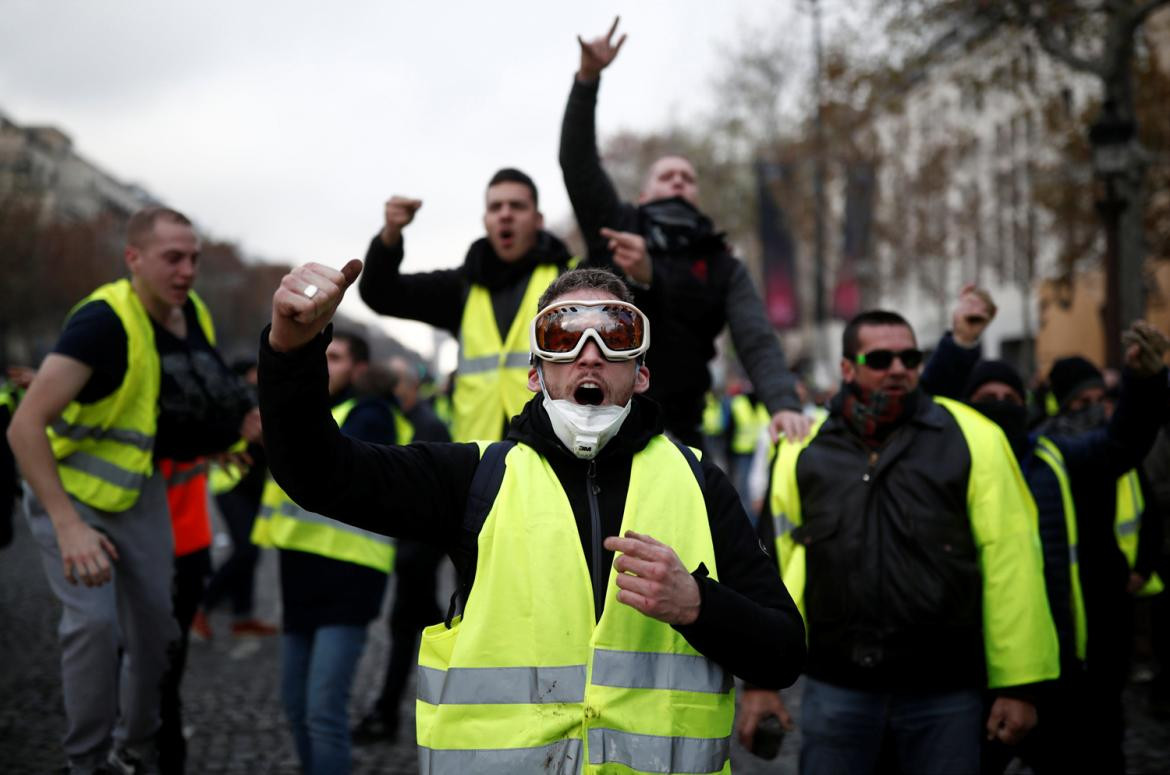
x=486, y=363
x=182, y=477
x=517, y=360
x=294, y=511
x=1128, y=527
x=108, y=472
x=643, y=670
x=783, y=525
x=651, y=753
x=560, y=758
x=122, y=436
x=1073, y=554
x=501, y=685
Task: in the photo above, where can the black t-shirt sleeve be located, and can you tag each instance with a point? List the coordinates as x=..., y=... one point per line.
x=94, y=335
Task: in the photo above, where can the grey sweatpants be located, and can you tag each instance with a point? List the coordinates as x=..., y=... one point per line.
x=131, y=614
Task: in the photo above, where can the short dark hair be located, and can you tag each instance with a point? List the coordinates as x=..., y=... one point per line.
x=850, y=337
x=141, y=225
x=359, y=348
x=578, y=279
x=513, y=175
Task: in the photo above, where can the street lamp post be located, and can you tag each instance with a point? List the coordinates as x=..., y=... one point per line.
x=1112, y=140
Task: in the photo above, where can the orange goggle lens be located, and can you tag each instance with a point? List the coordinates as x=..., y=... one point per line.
x=621, y=329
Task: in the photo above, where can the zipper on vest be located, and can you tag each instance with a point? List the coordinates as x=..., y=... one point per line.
x=593, y=489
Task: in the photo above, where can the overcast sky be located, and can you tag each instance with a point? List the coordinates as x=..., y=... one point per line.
x=285, y=125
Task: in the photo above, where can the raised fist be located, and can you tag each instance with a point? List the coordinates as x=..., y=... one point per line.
x=399, y=212
x=972, y=314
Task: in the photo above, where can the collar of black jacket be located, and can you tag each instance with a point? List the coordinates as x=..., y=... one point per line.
x=532, y=427
x=675, y=226
x=485, y=268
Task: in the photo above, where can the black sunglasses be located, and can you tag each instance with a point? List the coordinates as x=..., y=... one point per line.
x=880, y=360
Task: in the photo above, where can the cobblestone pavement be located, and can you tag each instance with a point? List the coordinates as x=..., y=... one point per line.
x=231, y=692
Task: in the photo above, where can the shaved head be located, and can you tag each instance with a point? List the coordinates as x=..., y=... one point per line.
x=668, y=177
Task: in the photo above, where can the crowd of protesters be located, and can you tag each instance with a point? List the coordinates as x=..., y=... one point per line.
x=951, y=559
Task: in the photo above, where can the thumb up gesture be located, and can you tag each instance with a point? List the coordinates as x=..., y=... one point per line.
x=305, y=302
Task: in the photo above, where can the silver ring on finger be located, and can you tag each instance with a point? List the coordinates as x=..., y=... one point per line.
x=310, y=291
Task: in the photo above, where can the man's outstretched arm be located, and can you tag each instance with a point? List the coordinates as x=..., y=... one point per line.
x=761, y=355
x=413, y=492
x=595, y=200
x=434, y=298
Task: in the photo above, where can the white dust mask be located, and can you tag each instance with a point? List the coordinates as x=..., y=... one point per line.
x=584, y=430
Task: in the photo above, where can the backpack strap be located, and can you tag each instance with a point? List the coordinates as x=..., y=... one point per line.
x=485, y=484
x=693, y=461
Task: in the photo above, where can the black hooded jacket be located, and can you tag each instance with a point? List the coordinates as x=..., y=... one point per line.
x=697, y=288
x=747, y=622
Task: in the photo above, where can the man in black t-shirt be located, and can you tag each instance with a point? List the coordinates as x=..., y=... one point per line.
x=86, y=436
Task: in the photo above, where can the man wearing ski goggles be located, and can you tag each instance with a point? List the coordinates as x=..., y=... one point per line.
x=619, y=329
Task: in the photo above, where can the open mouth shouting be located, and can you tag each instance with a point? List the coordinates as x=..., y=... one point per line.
x=589, y=393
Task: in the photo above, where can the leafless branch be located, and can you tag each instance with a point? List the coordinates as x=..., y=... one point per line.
x=1063, y=52
x=1139, y=14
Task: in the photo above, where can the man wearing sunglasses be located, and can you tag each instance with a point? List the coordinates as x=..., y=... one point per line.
x=612, y=581
x=905, y=531
x=484, y=302
x=682, y=271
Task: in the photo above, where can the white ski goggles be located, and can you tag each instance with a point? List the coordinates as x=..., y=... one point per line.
x=619, y=329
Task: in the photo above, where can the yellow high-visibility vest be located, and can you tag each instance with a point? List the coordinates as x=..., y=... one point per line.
x=104, y=450
x=1051, y=455
x=285, y=525
x=529, y=680
x=1127, y=523
x=712, y=415
x=491, y=381
x=1020, y=647
x=749, y=421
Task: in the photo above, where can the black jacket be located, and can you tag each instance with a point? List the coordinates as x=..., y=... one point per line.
x=318, y=591
x=893, y=594
x=748, y=622
x=696, y=289
x=437, y=298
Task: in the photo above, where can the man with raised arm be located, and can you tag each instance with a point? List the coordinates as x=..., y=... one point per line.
x=479, y=302
x=612, y=582
x=681, y=269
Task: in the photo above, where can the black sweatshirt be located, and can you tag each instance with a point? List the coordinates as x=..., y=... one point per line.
x=747, y=622
x=437, y=298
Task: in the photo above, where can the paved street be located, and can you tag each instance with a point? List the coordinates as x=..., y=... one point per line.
x=232, y=699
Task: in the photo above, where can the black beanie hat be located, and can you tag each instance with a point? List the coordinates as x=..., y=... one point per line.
x=994, y=371
x=1069, y=376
